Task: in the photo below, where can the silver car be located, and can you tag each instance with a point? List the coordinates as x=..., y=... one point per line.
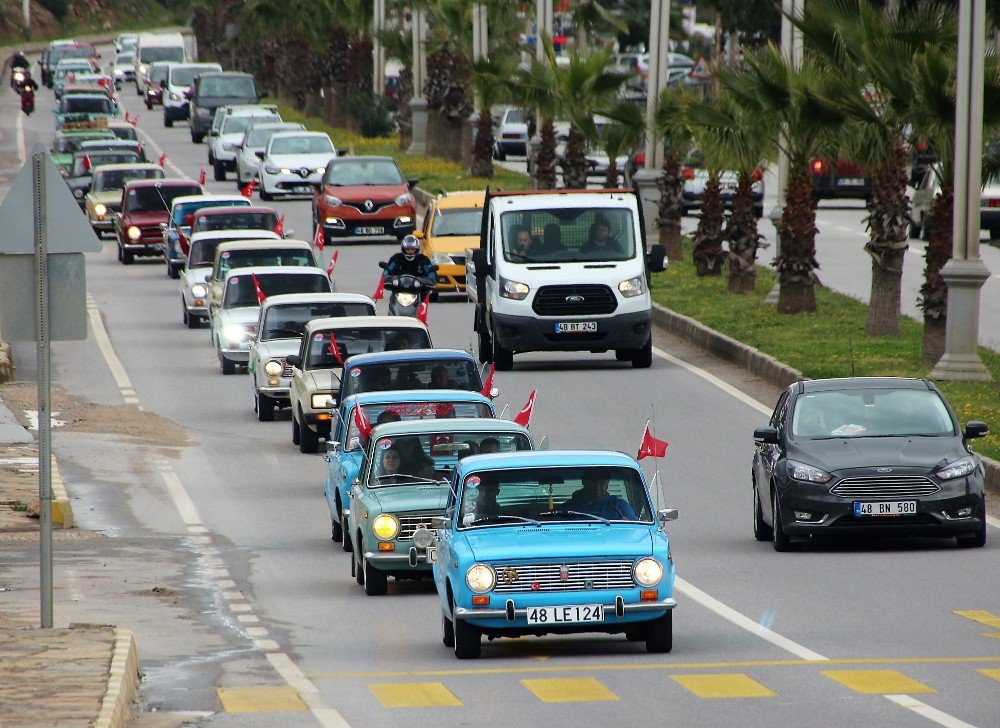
x=224, y=142
x=123, y=68
x=929, y=186
x=252, y=148
x=294, y=163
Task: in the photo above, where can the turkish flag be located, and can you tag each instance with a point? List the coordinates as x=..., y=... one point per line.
x=488, y=386
x=332, y=265
x=163, y=159
x=318, y=238
x=134, y=120
x=126, y=118
x=380, y=290
x=248, y=188
x=86, y=163
x=182, y=241
x=256, y=286
x=524, y=416
x=650, y=446
x=201, y=177
x=280, y=227
x=333, y=349
x=423, y=308
x=362, y=423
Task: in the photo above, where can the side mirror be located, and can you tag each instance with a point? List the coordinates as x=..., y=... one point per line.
x=494, y=392
x=295, y=360
x=213, y=132
x=657, y=258
x=666, y=514
x=332, y=446
x=341, y=152
x=260, y=154
x=766, y=435
x=411, y=183
x=383, y=265
x=439, y=522
x=976, y=428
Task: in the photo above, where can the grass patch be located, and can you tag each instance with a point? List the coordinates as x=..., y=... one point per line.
x=435, y=175
x=821, y=344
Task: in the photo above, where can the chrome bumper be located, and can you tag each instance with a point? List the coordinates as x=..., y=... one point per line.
x=511, y=612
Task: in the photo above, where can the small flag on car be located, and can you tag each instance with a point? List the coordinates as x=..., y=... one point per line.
x=379, y=290
x=488, y=386
x=280, y=227
x=650, y=446
x=163, y=159
x=332, y=265
x=524, y=416
x=335, y=350
x=248, y=188
x=423, y=308
x=318, y=238
x=256, y=286
x=201, y=177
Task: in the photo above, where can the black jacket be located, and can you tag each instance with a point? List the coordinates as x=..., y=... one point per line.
x=420, y=266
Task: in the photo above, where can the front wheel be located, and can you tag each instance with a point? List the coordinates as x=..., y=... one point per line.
x=296, y=430
x=228, y=366
x=265, y=195
x=265, y=408
x=643, y=356
x=219, y=171
x=978, y=540
x=308, y=439
x=168, y=122
x=503, y=359
x=761, y=531
x=336, y=530
x=447, y=630
x=779, y=539
x=376, y=580
x=468, y=641
x=660, y=637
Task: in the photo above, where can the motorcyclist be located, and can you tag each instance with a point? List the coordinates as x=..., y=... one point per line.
x=410, y=261
x=19, y=60
x=28, y=89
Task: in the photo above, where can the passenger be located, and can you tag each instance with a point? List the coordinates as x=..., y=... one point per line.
x=600, y=239
x=552, y=238
x=593, y=498
x=413, y=459
x=379, y=380
x=489, y=445
x=440, y=380
x=387, y=415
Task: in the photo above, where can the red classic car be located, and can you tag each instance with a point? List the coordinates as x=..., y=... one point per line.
x=145, y=207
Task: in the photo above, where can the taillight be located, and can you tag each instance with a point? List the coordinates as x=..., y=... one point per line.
x=818, y=166
x=687, y=173
x=757, y=175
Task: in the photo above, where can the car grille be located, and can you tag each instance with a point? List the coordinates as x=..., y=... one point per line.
x=552, y=300
x=376, y=206
x=408, y=524
x=286, y=370
x=878, y=487
x=592, y=576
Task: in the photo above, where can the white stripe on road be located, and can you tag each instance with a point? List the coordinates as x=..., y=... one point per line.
x=108, y=351
x=932, y=714
x=182, y=501
x=291, y=674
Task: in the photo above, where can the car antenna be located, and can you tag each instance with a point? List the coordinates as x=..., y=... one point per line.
x=850, y=344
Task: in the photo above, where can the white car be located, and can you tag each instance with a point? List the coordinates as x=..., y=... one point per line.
x=252, y=147
x=224, y=140
x=180, y=76
x=510, y=132
x=280, y=326
x=198, y=268
x=126, y=42
x=929, y=186
x=294, y=163
x=253, y=254
x=235, y=323
x=123, y=68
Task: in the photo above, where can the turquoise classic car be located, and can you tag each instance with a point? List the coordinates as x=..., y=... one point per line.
x=344, y=449
x=553, y=542
x=83, y=111
x=404, y=484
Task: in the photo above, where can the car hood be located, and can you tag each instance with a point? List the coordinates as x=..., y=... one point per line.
x=106, y=198
x=452, y=244
x=278, y=348
x=318, y=380
x=139, y=217
x=197, y=275
x=360, y=193
x=914, y=454
x=406, y=499
x=552, y=542
x=295, y=161
x=242, y=315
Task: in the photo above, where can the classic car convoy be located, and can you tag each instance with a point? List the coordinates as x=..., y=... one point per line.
x=422, y=479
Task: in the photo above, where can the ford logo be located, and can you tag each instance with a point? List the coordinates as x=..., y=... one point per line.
x=884, y=470
x=575, y=299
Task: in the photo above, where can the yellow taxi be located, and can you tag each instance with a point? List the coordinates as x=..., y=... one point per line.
x=451, y=225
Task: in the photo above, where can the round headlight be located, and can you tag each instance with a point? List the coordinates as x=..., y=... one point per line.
x=78, y=194
x=423, y=537
x=647, y=572
x=198, y=290
x=273, y=368
x=480, y=577
x=133, y=232
x=100, y=209
x=385, y=526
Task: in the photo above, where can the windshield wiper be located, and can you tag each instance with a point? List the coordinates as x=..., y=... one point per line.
x=605, y=521
x=501, y=517
x=411, y=478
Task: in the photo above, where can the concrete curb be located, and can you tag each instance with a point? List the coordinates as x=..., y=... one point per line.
x=62, y=508
x=123, y=683
x=992, y=468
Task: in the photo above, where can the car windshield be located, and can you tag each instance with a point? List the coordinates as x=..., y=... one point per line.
x=86, y=105
x=152, y=54
x=202, y=253
x=514, y=116
x=98, y=158
x=240, y=86
x=457, y=222
x=421, y=374
x=188, y=209
x=156, y=198
x=383, y=412
x=236, y=220
x=871, y=413
x=348, y=173
x=124, y=59
x=115, y=179
x=301, y=145
x=158, y=74
x=417, y=459
x=124, y=131
x=184, y=75
x=242, y=293
x=239, y=124
x=543, y=495
x=568, y=235
x=254, y=257
x=288, y=320
x=79, y=52
x=257, y=136
x=363, y=340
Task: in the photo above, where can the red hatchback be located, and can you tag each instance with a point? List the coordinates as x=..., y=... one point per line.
x=145, y=207
x=364, y=197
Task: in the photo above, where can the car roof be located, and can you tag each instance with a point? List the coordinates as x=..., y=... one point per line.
x=266, y=270
x=533, y=199
x=267, y=243
x=369, y=158
x=841, y=383
x=452, y=424
x=371, y=322
x=132, y=165
x=547, y=458
x=171, y=182
x=209, y=198
x=294, y=298
x=299, y=133
x=231, y=209
x=461, y=200
x=249, y=235
x=417, y=395
x=386, y=357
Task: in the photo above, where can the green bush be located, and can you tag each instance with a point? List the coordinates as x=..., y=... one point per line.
x=372, y=114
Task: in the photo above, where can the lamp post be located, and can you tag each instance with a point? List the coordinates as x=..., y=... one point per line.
x=378, y=50
x=418, y=104
x=965, y=273
x=543, y=24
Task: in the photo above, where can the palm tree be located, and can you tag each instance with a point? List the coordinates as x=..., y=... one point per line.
x=672, y=129
x=488, y=76
x=588, y=16
x=529, y=87
x=449, y=57
x=398, y=44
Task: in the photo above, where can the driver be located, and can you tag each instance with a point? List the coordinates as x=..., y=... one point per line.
x=409, y=261
x=593, y=498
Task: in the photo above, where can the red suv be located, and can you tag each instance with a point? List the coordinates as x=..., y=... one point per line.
x=364, y=197
x=145, y=207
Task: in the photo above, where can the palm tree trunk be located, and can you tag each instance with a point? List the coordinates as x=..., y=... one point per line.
x=404, y=117
x=611, y=173
x=671, y=185
x=545, y=167
x=934, y=291
x=887, y=221
x=797, y=261
x=482, y=151
x=741, y=232
x=575, y=161
x=708, y=253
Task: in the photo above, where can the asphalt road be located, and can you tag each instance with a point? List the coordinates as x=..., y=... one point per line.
x=264, y=618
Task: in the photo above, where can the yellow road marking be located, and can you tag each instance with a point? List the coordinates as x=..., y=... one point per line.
x=978, y=615
x=878, y=682
x=995, y=635
x=569, y=690
x=414, y=695
x=654, y=666
x=263, y=699
x=992, y=673
x=724, y=686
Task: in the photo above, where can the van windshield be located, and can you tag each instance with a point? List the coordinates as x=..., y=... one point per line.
x=568, y=235
x=184, y=75
x=153, y=54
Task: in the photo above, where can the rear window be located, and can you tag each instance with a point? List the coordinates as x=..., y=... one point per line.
x=423, y=374
x=157, y=198
x=125, y=131
x=241, y=293
x=99, y=158
x=235, y=220
x=238, y=87
x=116, y=179
x=152, y=54
x=250, y=258
x=188, y=209
x=239, y=124
x=288, y=321
x=363, y=340
x=184, y=75
x=349, y=173
x=258, y=136
x=86, y=105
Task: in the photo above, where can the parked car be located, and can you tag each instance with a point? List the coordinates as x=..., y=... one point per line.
x=212, y=90
x=145, y=208
x=696, y=177
x=875, y=456
x=553, y=542
x=929, y=187
x=405, y=485
x=104, y=200
x=224, y=139
x=282, y=322
x=180, y=77
x=317, y=371
x=294, y=163
x=839, y=179
x=365, y=197
x=452, y=225
x=511, y=133
x=254, y=143
x=235, y=323
x=179, y=224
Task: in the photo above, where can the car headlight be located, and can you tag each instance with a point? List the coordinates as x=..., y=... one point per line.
x=385, y=526
x=480, y=577
x=442, y=259
x=133, y=232
x=273, y=368
x=78, y=194
x=958, y=469
x=647, y=571
x=513, y=289
x=270, y=170
x=286, y=170
x=321, y=401
x=198, y=290
x=332, y=201
x=100, y=210
x=807, y=473
x=406, y=299
x=320, y=170
x=174, y=96
x=632, y=287
x=233, y=332
x=404, y=199
x=143, y=68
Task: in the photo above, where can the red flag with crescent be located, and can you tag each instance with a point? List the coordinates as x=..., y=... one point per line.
x=488, y=386
x=379, y=290
x=256, y=286
x=362, y=423
x=334, y=349
x=248, y=188
x=650, y=446
x=163, y=159
x=318, y=238
x=202, y=177
x=332, y=264
x=524, y=416
x=423, y=308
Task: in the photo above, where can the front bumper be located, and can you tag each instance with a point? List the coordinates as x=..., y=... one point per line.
x=451, y=278
x=345, y=221
x=175, y=113
x=103, y=226
x=291, y=184
x=413, y=559
x=319, y=421
x=617, y=615
x=197, y=307
x=513, y=146
x=527, y=333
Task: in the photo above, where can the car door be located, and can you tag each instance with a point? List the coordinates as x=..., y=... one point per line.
x=335, y=461
x=297, y=388
x=253, y=361
x=767, y=455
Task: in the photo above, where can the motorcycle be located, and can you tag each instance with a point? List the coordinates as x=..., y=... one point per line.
x=27, y=100
x=406, y=292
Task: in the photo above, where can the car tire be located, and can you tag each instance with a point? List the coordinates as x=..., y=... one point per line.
x=642, y=358
x=211, y=157
x=173, y=271
x=485, y=345
x=296, y=430
x=219, y=171
x=347, y=545
x=915, y=227
x=660, y=634
x=758, y=212
x=357, y=570
x=447, y=630
x=503, y=359
x=376, y=580
x=265, y=408
x=434, y=296
x=623, y=354
x=994, y=233
x=468, y=640
x=761, y=531
x=265, y=195
x=308, y=440
x=197, y=138
x=779, y=539
x=979, y=539
x=336, y=530
x=168, y=122
x=228, y=367
x=149, y=105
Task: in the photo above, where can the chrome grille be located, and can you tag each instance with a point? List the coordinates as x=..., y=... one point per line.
x=590, y=575
x=878, y=487
x=408, y=524
x=574, y=300
x=286, y=370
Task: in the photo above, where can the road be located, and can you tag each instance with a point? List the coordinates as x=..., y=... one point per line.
x=215, y=548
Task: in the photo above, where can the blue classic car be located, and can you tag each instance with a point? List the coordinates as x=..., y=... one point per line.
x=423, y=369
x=404, y=483
x=345, y=451
x=553, y=542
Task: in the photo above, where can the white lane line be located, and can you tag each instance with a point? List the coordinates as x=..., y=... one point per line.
x=991, y=521
x=289, y=671
x=932, y=714
x=182, y=501
x=149, y=141
x=108, y=352
x=744, y=622
x=712, y=379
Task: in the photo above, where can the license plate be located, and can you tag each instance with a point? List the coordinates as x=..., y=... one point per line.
x=566, y=615
x=850, y=182
x=303, y=189
x=576, y=327
x=432, y=554
x=885, y=508
x=369, y=230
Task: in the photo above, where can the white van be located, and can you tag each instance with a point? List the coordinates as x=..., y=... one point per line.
x=563, y=271
x=180, y=76
x=154, y=48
